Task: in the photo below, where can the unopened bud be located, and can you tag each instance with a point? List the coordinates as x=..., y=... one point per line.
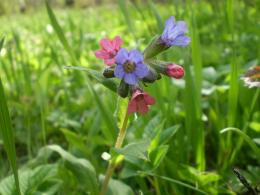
x=174, y=70
x=123, y=89
x=152, y=76
x=109, y=73
x=155, y=47
x=167, y=68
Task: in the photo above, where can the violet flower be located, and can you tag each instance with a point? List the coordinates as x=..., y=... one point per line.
x=174, y=33
x=130, y=66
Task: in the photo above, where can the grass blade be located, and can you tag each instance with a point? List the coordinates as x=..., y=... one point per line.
x=245, y=137
x=125, y=11
x=60, y=33
x=176, y=182
x=160, y=23
x=108, y=118
x=7, y=132
x=197, y=63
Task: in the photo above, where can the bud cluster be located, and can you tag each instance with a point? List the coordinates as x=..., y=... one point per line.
x=135, y=68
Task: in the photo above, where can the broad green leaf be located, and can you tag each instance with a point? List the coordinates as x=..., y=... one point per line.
x=75, y=140
x=6, y=131
x=81, y=168
x=133, y=151
x=152, y=127
x=168, y=133
x=157, y=155
x=109, y=83
x=117, y=187
x=30, y=180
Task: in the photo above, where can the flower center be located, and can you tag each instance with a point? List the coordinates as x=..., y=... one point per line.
x=129, y=67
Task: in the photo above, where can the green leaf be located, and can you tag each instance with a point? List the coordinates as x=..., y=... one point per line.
x=157, y=155
x=175, y=182
x=94, y=74
x=29, y=179
x=75, y=140
x=168, y=133
x=121, y=109
x=6, y=131
x=81, y=168
x=133, y=151
x=1, y=43
x=188, y=173
x=109, y=83
x=117, y=187
x=152, y=127
x=245, y=137
x=60, y=33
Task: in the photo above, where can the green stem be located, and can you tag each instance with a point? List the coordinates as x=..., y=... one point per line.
x=112, y=163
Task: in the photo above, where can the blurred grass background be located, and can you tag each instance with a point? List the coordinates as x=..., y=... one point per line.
x=49, y=104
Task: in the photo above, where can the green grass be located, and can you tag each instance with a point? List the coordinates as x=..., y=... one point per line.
x=56, y=95
x=7, y=132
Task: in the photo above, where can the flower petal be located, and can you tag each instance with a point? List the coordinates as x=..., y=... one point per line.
x=117, y=42
x=141, y=70
x=132, y=107
x=179, y=29
x=149, y=99
x=181, y=41
x=122, y=56
x=170, y=22
x=136, y=56
x=119, y=71
x=110, y=62
x=106, y=44
x=142, y=107
x=130, y=78
x=169, y=25
x=102, y=54
x=181, y=26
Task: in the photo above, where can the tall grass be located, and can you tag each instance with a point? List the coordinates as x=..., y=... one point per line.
x=51, y=101
x=7, y=132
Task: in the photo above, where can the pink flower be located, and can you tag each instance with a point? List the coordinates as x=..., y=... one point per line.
x=140, y=101
x=174, y=70
x=109, y=49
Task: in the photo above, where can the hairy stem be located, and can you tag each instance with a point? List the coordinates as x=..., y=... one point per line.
x=112, y=163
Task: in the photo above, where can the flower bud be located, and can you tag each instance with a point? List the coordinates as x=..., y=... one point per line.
x=155, y=47
x=109, y=73
x=151, y=76
x=167, y=68
x=123, y=89
x=174, y=70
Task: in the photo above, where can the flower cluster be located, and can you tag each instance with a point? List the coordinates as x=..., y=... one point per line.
x=134, y=67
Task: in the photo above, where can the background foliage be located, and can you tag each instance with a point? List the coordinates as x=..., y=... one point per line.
x=64, y=119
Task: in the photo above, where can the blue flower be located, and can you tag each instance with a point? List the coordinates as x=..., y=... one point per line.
x=174, y=33
x=130, y=66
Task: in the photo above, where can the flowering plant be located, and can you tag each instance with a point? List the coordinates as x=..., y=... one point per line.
x=136, y=68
